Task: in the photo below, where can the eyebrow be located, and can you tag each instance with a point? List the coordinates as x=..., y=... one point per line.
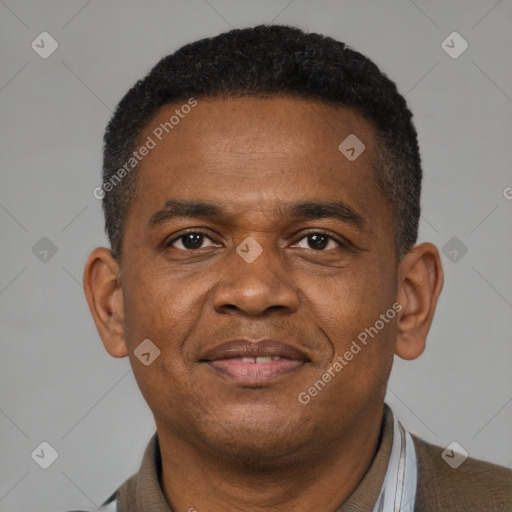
x=305, y=210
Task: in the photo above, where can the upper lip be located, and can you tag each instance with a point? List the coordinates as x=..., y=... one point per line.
x=254, y=348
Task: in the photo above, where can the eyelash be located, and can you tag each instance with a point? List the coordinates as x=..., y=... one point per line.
x=199, y=231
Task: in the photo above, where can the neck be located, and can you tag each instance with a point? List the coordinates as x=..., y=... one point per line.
x=320, y=477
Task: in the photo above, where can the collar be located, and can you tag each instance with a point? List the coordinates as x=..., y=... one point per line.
x=398, y=490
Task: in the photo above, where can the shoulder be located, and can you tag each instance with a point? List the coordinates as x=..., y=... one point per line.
x=475, y=485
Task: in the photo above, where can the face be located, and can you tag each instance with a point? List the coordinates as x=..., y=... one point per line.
x=250, y=224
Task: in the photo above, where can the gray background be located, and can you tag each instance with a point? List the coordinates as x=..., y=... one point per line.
x=57, y=384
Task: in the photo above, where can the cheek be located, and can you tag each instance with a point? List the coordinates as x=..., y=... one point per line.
x=156, y=305
x=348, y=309
x=165, y=309
x=162, y=312
x=351, y=301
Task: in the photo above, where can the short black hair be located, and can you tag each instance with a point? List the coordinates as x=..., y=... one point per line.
x=267, y=61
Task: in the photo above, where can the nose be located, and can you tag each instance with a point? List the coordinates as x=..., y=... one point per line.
x=254, y=286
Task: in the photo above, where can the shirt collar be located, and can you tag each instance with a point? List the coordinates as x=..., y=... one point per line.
x=365, y=495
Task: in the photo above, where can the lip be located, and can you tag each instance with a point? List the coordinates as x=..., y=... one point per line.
x=233, y=359
x=251, y=348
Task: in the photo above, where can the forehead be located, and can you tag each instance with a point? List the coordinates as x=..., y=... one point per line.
x=246, y=152
x=254, y=127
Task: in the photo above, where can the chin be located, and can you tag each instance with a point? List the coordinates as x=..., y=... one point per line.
x=257, y=442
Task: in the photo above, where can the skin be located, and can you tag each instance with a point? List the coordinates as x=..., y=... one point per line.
x=258, y=448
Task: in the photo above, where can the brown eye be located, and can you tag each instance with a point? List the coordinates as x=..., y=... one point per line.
x=189, y=241
x=319, y=241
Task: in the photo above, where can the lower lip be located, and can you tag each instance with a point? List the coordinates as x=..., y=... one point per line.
x=250, y=372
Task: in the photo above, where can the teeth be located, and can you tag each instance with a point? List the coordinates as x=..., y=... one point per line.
x=261, y=359
x=264, y=359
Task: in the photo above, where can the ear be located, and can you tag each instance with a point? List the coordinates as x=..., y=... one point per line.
x=421, y=281
x=104, y=295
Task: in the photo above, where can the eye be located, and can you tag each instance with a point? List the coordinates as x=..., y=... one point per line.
x=320, y=241
x=316, y=240
x=190, y=241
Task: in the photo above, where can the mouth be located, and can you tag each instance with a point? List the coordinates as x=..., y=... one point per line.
x=255, y=362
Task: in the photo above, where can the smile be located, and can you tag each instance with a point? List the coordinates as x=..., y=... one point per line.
x=251, y=362
x=256, y=369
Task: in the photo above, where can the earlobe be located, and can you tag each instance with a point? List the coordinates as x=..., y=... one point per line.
x=421, y=282
x=104, y=296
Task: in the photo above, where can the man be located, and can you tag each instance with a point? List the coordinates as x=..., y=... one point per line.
x=261, y=194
